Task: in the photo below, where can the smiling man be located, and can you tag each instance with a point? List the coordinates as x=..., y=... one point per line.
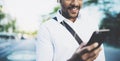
x=63, y=38
x=70, y=10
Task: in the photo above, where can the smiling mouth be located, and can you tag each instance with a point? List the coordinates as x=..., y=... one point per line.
x=74, y=9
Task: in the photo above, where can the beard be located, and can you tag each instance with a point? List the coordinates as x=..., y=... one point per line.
x=71, y=11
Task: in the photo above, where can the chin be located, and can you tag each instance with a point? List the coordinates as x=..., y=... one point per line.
x=74, y=16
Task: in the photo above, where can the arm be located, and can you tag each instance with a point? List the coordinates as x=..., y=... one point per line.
x=44, y=50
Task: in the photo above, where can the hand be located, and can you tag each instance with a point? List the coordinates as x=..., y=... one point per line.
x=87, y=53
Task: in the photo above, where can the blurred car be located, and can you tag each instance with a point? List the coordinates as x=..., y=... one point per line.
x=6, y=37
x=6, y=42
x=14, y=49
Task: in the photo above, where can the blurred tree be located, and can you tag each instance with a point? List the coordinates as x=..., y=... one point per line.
x=55, y=10
x=10, y=25
x=2, y=15
x=50, y=15
x=110, y=21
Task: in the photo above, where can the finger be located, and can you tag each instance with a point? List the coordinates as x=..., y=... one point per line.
x=84, y=53
x=82, y=45
x=93, y=46
x=81, y=48
x=81, y=51
x=91, y=55
x=92, y=58
x=84, y=49
x=85, y=56
x=95, y=52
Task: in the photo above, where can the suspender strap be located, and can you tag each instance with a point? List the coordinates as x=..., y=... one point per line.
x=74, y=34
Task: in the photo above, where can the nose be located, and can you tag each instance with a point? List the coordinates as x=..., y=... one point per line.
x=75, y=2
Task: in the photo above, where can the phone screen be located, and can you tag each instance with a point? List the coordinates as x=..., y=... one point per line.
x=98, y=36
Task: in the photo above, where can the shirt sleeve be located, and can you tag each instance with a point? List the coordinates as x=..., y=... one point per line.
x=44, y=51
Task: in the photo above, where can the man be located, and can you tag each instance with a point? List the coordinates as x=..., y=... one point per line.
x=56, y=43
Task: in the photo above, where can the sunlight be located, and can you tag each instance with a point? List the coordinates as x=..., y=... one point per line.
x=28, y=12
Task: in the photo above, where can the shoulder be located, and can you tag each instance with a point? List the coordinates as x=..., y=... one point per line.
x=49, y=24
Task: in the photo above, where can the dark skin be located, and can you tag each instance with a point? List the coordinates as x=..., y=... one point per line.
x=86, y=53
x=70, y=10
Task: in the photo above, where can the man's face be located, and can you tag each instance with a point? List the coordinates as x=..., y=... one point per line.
x=70, y=8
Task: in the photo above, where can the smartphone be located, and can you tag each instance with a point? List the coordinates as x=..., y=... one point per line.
x=98, y=36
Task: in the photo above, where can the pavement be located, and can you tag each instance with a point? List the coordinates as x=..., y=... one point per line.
x=24, y=50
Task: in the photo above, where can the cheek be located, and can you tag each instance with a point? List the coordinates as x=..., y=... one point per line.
x=65, y=5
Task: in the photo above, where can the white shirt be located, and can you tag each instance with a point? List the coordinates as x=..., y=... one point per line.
x=55, y=42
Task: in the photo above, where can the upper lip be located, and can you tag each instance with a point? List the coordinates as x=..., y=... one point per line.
x=73, y=7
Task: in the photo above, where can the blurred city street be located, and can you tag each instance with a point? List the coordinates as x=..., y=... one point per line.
x=24, y=50
x=20, y=21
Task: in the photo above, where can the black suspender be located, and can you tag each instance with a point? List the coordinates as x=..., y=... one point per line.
x=74, y=34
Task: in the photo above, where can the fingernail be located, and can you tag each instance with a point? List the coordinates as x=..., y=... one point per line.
x=96, y=44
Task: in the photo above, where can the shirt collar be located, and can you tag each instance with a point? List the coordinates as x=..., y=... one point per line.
x=60, y=18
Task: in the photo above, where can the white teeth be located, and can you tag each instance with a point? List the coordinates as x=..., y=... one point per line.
x=74, y=9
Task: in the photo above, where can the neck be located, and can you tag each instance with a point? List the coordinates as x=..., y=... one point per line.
x=72, y=19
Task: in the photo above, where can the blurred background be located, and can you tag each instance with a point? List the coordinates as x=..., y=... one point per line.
x=20, y=20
